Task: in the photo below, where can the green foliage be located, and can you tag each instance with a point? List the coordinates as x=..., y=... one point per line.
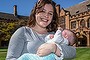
x=3, y=53
x=6, y=30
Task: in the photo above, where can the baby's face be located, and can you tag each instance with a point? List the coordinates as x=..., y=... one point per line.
x=64, y=33
x=68, y=35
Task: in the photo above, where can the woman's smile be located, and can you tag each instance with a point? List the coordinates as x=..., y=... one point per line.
x=44, y=20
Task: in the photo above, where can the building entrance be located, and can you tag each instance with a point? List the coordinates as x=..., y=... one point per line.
x=82, y=41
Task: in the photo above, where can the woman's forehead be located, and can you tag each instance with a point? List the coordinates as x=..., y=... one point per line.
x=48, y=7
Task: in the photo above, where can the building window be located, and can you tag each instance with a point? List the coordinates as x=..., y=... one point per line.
x=62, y=22
x=88, y=23
x=73, y=24
x=63, y=26
x=82, y=23
x=88, y=7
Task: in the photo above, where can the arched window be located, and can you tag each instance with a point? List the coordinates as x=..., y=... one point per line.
x=88, y=23
x=82, y=23
x=62, y=22
x=88, y=7
x=73, y=24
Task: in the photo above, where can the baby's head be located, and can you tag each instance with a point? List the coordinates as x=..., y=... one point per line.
x=70, y=36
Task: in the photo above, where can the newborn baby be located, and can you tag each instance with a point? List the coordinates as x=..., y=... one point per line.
x=61, y=37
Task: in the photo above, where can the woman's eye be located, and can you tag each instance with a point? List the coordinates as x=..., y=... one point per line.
x=50, y=13
x=43, y=11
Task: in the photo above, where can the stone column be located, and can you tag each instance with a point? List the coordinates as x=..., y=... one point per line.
x=15, y=10
x=77, y=23
x=67, y=20
x=86, y=23
x=88, y=39
x=58, y=10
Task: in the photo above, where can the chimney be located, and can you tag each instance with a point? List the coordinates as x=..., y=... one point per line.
x=58, y=9
x=15, y=10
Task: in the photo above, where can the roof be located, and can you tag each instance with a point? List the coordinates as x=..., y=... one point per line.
x=79, y=8
x=12, y=17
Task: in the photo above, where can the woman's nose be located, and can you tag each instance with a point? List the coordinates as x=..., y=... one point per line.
x=46, y=15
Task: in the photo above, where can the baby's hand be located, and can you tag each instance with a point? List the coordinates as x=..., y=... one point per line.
x=51, y=36
x=45, y=49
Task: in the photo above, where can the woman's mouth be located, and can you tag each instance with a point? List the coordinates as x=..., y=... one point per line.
x=45, y=20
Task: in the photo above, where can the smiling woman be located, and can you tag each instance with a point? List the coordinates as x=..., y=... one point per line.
x=44, y=17
x=27, y=39
x=44, y=13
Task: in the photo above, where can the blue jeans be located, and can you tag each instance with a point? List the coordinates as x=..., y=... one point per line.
x=28, y=56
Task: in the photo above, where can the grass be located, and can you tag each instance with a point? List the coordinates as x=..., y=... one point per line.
x=82, y=54
x=3, y=53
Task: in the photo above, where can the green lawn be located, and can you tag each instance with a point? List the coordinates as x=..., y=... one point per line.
x=3, y=53
x=82, y=54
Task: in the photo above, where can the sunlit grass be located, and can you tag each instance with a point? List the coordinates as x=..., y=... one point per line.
x=3, y=54
x=82, y=54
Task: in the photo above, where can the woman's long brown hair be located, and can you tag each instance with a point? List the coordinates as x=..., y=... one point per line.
x=53, y=25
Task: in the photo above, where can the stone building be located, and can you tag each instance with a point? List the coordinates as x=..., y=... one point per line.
x=77, y=18
x=8, y=24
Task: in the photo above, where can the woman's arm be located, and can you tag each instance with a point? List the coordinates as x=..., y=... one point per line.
x=69, y=52
x=16, y=45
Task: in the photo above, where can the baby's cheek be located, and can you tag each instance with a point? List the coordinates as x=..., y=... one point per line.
x=63, y=33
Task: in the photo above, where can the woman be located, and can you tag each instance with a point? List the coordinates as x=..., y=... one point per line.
x=27, y=39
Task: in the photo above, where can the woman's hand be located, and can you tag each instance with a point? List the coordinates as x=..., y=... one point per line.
x=46, y=49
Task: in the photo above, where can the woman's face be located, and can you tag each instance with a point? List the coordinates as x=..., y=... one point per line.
x=44, y=18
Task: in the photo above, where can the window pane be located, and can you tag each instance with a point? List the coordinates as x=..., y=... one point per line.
x=88, y=23
x=82, y=23
x=62, y=22
x=73, y=24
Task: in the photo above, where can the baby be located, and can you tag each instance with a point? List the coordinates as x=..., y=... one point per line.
x=61, y=37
